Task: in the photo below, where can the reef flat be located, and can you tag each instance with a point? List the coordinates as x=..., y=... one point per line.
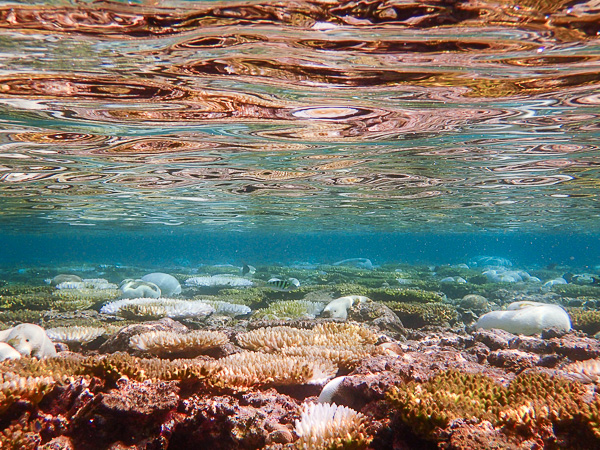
x=316, y=356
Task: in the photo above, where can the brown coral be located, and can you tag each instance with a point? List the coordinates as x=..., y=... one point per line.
x=165, y=343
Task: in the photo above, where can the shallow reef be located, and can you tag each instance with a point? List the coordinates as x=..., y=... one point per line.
x=406, y=369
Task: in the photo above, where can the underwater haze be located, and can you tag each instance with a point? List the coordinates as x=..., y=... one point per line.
x=299, y=131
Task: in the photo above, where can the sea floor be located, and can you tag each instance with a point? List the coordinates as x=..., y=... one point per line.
x=225, y=357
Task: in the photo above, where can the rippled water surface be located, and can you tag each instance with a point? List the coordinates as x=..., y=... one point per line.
x=316, y=115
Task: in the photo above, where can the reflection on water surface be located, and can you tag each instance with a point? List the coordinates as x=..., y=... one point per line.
x=304, y=115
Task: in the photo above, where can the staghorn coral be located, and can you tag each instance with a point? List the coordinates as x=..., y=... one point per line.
x=531, y=400
x=328, y=426
x=151, y=308
x=165, y=343
x=416, y=315
x=331, y=333
x=74, y=334
x=290, y=310
x=247, y=369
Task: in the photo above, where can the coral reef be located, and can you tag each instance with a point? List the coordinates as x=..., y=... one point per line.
x=289, y=310
x=417, y=315
x=150, y=308
x=168, y=343
x=324, y=426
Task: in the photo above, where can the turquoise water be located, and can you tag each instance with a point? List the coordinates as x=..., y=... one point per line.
x=301, y=131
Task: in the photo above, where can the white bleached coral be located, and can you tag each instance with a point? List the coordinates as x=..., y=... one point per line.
x=338, y=308
x=153, y=308
x=218, y=280
x=88, y=283
x=29, y=340
x=168, y=284
x=139, y=289
x=290, y=309
x=527, y=318
x=325, y=425
x=584, y=371
x=74, y=334
x=7, y=352
x=228, y=309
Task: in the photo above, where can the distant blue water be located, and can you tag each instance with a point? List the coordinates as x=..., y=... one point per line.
x=189, y=249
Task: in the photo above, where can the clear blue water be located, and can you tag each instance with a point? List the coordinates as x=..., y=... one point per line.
x=211, y=132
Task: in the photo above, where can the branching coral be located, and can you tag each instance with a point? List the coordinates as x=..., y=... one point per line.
x=14, y=387
x=531, y=400
x=586, y=320
x=165, y=343
x=343, y=356
x=270, y=339
x=228, y=309
x=245, y=369
x=328, y=426
x=21, y=435
x=150, y=308
x=416, y=315
x=218, y=281
x=290, y=309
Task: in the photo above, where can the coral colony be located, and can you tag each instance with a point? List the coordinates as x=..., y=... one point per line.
x=347, y=355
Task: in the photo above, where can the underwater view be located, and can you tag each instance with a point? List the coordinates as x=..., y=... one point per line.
x=308, y=224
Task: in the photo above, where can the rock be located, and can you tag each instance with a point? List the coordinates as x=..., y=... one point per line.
x=494, y=339
x=132, y=413
x=513, y=360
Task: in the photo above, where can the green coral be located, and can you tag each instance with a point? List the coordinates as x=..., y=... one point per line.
x=12, y=318
x=576, y=290
x=531, y=401
x=586, y=320
x=289, y=310
x=417, y=315
x=252, y=297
